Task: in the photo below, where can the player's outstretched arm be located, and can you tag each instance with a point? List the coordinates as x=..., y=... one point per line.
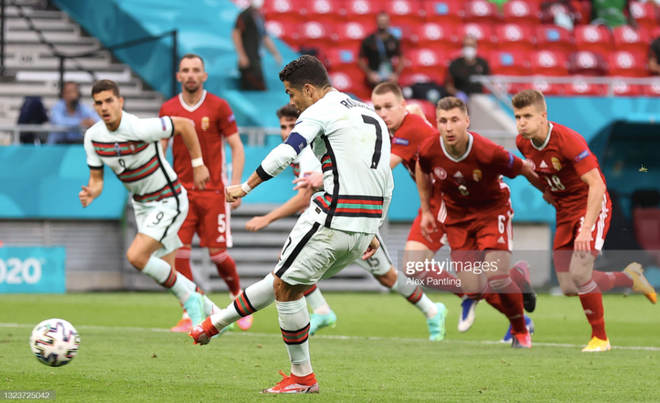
x=293, y=205
x=425, y=188
x=597, y=190
x=93, y=189
x=371, y=250
x=534, y=179
x=185, y=128
x=237, y=162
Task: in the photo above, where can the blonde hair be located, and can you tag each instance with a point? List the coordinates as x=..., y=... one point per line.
x=386, y=87
x=449, y=103
x=526, y=98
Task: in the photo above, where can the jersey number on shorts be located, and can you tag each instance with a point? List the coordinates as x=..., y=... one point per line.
x=555, y=183
x=379, y=139
x=222, y=227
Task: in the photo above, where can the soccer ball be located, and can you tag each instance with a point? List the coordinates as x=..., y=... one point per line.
x=55, y=342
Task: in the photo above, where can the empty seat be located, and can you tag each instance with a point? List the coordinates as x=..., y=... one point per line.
x=483, y=33
x=627, y=64
x=436, y=36
x=581, y=87
x=587, y=63
x=549, y=63
x=551, y=37
x=481, y=11
x=350, y=81
x=635, y=41
x=404, y=12
x=621, y=88
x=286, y=31
x=644, y=13
x=522, y=12
x=404, y=33
x=363, y=11
x=539, y=83
x=284, y=11
x=653, y=90
x=426, y=61
x=408, y=79
x=510, y=63
x=514, y=37
x=444, y=11
x=351, y=34
x=324, y=11
x=341, y=58
x=316, y=34
x=593, y=38
x=427, y=107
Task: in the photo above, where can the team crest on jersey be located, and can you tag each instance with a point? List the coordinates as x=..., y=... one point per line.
x=556, y=164
x=476, y=175
x=206, y=122
x=531, y=164
x=117, y=149
x=440, y=173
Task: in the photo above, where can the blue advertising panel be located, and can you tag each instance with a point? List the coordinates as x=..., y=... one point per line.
x=32, y=270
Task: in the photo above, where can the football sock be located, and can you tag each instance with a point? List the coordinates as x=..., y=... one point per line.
x=440, y=280
x=227, y=270
x=608, y=280
x=294, y=323
x=257, y=296
x=518, y=277
x=592, y=303
x=316, y=300
x=182, y=262
x=492, y=297
x=511, y=300
x=160, y=270
x=415, y=296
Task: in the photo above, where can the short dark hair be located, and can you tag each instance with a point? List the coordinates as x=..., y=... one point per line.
x=192, y=56
x=305, y=70
x=105, y=85
x=387, y=86
x=527, y=98
x=449, y=103
x=288, y=111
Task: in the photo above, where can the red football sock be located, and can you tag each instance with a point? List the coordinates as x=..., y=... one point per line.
x=518, y=277
x=307, y=380
x=227, y=270
x=490, y=296
x=621, y=279
x=592, y=303
x=511, y=300
x=608, y=280
x=182, y=262
x=441, y=280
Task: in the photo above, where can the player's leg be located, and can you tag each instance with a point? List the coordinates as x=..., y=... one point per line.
x=182, y=257
x=323, y=315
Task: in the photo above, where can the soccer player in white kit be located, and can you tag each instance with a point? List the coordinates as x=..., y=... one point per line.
x=130, y=146
x=339, y=225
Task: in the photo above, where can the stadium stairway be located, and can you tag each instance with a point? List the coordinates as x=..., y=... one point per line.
x=34, y=69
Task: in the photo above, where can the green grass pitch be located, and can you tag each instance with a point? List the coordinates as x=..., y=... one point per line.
x=378, y=352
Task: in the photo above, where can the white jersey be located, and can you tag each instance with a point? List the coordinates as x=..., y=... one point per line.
x=352, y=143
x=135, y=155
x=305, y=162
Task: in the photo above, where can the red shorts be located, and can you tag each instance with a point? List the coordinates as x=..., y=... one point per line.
x=209, y=217
x=439, y=238
x=568, y=228
x=489, y=230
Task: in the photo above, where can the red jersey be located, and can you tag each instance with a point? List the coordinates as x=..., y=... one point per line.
x=214, y=120
x=408, y=137
x=469, y=184
x=560, y=162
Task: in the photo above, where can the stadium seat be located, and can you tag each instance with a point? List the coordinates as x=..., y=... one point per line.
x=362, y=11
x=551, y=37
x=481, y=11
x=627, y=64
x=634, y=41
x=404, y=33
x=593, y=38
x=539, y=83
x=324, y=11
x=351, y=34
x=427, y=107
x=549, y=63
x=350, y=82
x=439, y=37
x=581, y=87
x=622, y=88
x=587, y=64
x=283, y=11
x=408, y=79
x=653, y=90
x=316, y=34
x=644, y=13
x=549, y=13
x=404, y=12
x=647, y=229
x=444, y=11
x=514, y=37
x=483, y=33
x=341, y=58
x=285, y=31
x=426, y=61
x=508, y=63
x=522, y=12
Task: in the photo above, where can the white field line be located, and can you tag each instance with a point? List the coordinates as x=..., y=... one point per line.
x=331, y=337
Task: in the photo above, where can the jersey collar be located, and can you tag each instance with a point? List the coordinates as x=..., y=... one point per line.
x=194, y=107
x=547, y=139
x=462, y=157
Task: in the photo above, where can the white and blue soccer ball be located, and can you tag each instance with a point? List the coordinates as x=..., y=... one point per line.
x=55, y=342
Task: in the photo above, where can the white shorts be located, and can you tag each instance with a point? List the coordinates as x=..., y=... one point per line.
x=313, y=252
x=161, y=221
x=380, y=263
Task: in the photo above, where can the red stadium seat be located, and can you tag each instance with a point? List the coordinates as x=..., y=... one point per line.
x=427, y=107
x=351, y=34
x=541, y=84
x=580, y=87
x=549, y=63
x=436, y=36
x=653, y=90
x=350, y=81
x=362, y=11
x=550, y=37
x=627, y=64
x=408, y=79
x=285, y=31
x=316, y=34
x=483, y=33
x=626, y=90
x=522, y=12
x=513, y=37
x=404, y=33
x=587, y=64
x=481, y=11
x=444, y=11
x=548, y=14
x=636, y=41
x=341, y=58
x=284, y=11
x=509, y=63
x=644, y=13
x=426, y=61
x=324, y=11
x=404, y=12
x=593, y=38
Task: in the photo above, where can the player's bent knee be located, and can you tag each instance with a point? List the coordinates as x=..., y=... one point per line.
x=580, y=278
x=137, y=259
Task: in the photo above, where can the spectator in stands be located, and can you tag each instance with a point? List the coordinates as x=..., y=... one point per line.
x=612, y=13
x=378, y=52
x=564, y=16
x=69, y=112
x=248, y=35
x=460, y=71
x=654, y=56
